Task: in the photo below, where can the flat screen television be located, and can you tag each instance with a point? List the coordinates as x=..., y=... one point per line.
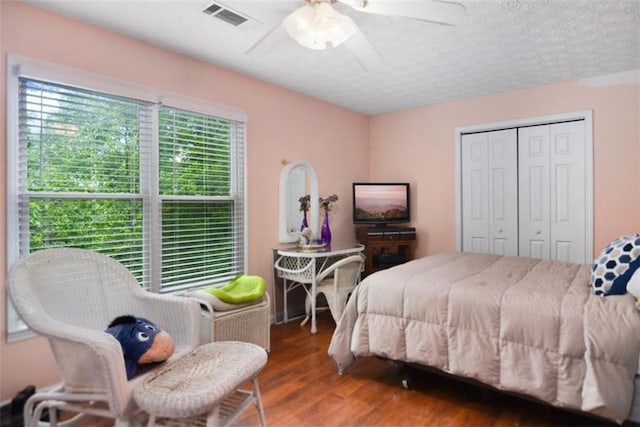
x=381, y=203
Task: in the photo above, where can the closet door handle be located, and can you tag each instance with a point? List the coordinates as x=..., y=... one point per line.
x=500, y=230
x=538, y=232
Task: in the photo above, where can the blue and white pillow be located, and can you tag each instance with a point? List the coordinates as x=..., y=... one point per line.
x=615, y=265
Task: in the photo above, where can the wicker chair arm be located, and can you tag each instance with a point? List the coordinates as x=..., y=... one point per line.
x=333, y=267
x=179, y=316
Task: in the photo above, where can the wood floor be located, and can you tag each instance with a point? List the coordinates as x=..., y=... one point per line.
x=301, y=387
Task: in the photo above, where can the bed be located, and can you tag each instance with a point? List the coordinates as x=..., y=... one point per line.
x=521, y=325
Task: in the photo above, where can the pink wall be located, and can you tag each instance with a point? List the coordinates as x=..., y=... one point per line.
x=281, y=125
x=421, y=143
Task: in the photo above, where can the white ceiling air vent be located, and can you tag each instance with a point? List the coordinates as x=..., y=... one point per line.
x=230, y=16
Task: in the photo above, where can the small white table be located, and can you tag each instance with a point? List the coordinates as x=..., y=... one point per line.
x=301, y=267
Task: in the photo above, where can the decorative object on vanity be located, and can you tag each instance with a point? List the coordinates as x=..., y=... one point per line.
x=312, y=247
x=325, y=233
x=304, y=207
x=308, y=244
x=307, y=241
x=306, y=237
x=326, y=205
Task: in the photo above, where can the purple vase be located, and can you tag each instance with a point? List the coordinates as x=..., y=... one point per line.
x=304, y=221
x=325, y=231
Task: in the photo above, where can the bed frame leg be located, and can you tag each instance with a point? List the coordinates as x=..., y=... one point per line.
x=407, y=380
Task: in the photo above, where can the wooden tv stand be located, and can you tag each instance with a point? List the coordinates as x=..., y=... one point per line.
x=385, y=247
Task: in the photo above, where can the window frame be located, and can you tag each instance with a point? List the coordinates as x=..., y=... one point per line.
x=21, y=67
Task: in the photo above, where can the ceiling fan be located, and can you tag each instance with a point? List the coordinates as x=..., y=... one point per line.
x=317, y=24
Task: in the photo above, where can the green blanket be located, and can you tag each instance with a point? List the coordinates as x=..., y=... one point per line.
x=241, y=289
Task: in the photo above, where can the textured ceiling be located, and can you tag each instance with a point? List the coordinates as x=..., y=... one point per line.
x=500, y=46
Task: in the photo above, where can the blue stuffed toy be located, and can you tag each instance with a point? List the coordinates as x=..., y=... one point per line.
x=142, y=342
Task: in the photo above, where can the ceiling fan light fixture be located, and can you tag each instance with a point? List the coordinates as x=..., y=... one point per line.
x=299, y=22
x=330, y=26
x=313, y=26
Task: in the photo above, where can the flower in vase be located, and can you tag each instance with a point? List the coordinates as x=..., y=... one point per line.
x=325, y=231
x=327, y=203
x=304, y=203
x=304, y=207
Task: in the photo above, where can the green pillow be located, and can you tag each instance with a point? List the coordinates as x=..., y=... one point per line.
x=240, y=290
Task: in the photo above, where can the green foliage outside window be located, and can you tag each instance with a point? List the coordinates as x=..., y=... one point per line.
x=83, y=186
x=195, y=154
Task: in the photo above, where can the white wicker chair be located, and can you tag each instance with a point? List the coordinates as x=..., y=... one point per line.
x=70, y=296
x=336, y=288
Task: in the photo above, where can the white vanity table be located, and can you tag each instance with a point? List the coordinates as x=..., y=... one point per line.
x=299, y=268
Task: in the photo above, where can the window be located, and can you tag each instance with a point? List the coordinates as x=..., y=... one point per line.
x=159, y=187
x=200, y=232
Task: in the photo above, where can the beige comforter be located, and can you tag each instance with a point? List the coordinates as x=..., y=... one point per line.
x=518, y=324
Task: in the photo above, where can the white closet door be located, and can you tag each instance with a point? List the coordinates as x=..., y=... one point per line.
x=475, y=193
x=568, y=192
x=533, y=166
x=503, y=192
x=489, y=192
x=552, y=192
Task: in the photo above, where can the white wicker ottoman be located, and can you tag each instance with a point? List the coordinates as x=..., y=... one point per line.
x=205, y=383
x=249, y=323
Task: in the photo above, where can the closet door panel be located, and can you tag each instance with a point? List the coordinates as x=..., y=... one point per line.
x=489, y=192
x=534, y=197
x=503, y=192
x=568, y=192
x=475, y=193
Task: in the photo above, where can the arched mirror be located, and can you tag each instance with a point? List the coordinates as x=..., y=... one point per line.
x=297, y=179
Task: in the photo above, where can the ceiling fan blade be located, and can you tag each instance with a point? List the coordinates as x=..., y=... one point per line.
x=268, y=40
x=436, y=11
x=366, y=54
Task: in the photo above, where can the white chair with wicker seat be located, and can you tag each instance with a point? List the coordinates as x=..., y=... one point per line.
x=336, y=283
x=70, y=296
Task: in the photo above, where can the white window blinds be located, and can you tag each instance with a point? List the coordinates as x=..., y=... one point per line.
x=200, y=186
x=80, y=164
x=159, y=189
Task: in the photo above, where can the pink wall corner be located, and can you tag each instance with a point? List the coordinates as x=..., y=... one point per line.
x=319, y=138
x=421, y=143
x=281, y=125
